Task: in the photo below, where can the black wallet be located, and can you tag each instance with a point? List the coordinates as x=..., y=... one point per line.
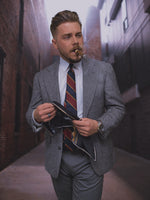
x=62, y=119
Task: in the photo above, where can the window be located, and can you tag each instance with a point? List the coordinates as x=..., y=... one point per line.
x=21, y=15
x=18, y=102
x=147, y=6
x=2, y=56
x=115, y=8
x=124, y=15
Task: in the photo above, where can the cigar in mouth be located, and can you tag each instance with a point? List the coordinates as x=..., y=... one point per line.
x=78, y=52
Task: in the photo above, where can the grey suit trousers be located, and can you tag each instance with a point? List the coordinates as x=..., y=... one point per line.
x=77, y=180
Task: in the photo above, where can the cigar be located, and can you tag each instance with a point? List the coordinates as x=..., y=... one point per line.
x=78, y=52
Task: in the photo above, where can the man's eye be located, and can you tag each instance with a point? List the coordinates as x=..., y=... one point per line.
x=79, y=35
x=66, y=37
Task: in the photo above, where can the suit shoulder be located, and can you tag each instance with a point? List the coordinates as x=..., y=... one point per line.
x=100, y=65
x=48, y=68
x=45, y=70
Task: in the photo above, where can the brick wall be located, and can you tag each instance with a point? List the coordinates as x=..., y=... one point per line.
x=24, y=37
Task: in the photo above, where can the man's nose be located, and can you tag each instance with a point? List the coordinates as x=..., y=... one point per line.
x=75, y=40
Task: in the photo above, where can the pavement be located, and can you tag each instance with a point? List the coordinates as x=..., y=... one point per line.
x=26, y=178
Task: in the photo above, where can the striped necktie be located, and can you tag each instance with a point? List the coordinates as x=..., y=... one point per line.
x=71, y=105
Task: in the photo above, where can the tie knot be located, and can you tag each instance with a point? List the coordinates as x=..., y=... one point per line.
x=70, y=66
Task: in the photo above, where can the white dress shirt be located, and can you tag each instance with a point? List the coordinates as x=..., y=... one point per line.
x=62, y=78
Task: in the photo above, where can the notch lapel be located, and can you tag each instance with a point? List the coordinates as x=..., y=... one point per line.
x=89, y=84
x=51, y=82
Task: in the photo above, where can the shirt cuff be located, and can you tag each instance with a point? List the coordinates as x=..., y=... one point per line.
x=36, y=124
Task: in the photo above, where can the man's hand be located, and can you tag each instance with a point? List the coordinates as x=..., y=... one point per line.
x=44, y=112
x=86, y=126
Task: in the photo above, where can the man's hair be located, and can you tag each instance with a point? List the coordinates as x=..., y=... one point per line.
x=63, y=17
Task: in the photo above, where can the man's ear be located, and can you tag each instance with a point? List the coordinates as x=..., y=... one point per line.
x=54, y=43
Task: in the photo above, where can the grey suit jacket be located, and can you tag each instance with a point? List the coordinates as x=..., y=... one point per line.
x=101, y=101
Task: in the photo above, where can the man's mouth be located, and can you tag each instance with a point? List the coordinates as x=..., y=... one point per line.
x=78, y=51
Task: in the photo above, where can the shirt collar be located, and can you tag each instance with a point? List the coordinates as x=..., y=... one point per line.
x=64, y=64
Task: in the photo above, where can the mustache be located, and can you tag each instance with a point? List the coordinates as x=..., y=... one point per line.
x=78, y=51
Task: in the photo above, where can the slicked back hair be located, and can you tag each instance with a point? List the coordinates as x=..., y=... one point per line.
x=63, y=17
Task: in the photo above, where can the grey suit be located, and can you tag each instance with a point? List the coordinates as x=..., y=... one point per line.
x=101, y=101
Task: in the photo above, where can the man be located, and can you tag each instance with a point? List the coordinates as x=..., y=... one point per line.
x=75, y=174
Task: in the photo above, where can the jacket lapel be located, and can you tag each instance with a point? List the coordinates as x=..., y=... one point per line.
x=51, y=82
x=89, y=84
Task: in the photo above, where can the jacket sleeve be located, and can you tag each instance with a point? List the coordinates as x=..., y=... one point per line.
x=35, y=101
x=114, y=107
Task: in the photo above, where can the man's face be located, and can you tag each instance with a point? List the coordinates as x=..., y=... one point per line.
x=68, y=38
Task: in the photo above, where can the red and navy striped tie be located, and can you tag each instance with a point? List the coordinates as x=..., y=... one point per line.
x=71, y=105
